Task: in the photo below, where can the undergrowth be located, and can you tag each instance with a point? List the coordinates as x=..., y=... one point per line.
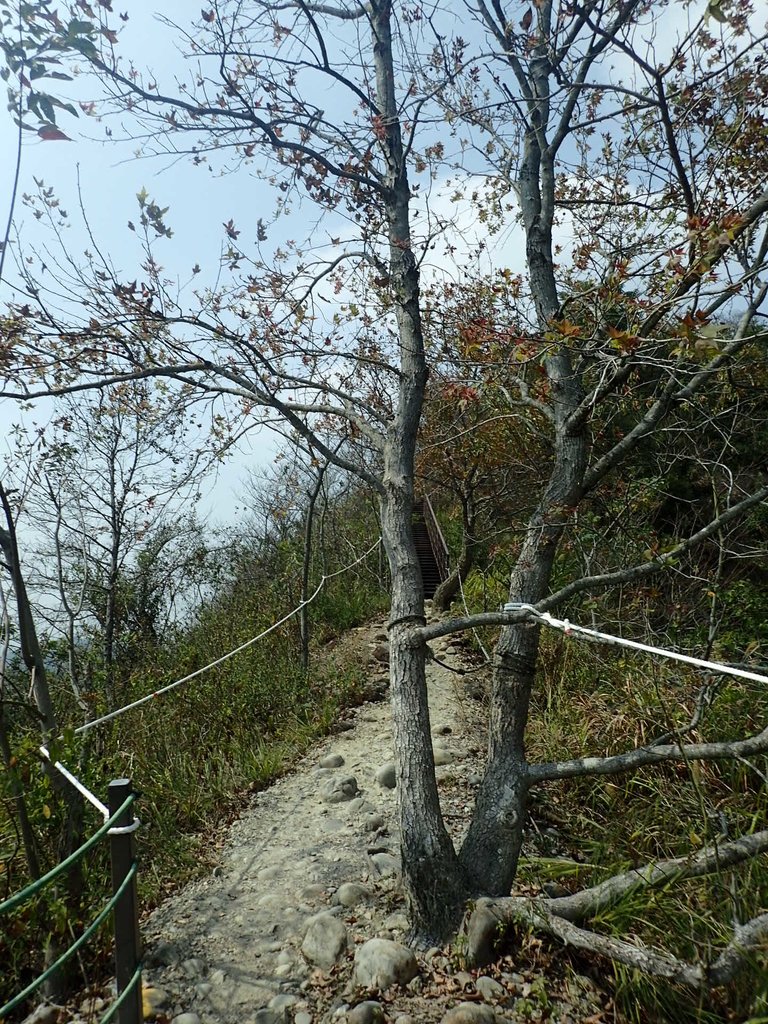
x=194, y=754
x=602, y=701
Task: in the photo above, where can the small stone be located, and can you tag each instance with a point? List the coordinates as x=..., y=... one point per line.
x=386, y=865
x=373, y=822
x=267, y=1016
x=405, y=1018
x=282, y=1001
x=325, y=940
x=442, y=730
x=385, y=776
x=380, y=963
x=163, y=955
x=339, y=790
x=313, y=892
x=153, y=1000
x=474, y=779
x=302, y=1017
x=380, y=653
x=490, y=989
x=217, y=977
x=349, y=894
x=443, y=756
x=470, y=1013
x=203, y=989
x=194, y=967
x=397, y=922
x=186, y=1018
x=369, y=1012
x=331, y=761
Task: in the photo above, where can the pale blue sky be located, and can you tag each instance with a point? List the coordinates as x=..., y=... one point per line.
x=111, y=173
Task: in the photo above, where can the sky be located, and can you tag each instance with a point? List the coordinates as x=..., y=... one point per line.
x=106, y=176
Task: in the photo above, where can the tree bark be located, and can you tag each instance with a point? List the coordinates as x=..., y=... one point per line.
x=492, y=847
x=433, y=879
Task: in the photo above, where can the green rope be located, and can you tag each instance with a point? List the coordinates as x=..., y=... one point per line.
x=122, y=997
x=76, y=945
x=34, y=887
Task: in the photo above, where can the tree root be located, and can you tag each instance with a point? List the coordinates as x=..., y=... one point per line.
x=489, y=919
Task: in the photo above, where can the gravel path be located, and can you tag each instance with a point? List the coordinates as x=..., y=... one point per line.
x=309, y=873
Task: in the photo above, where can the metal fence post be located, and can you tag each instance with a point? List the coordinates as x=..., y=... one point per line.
x=122, y=848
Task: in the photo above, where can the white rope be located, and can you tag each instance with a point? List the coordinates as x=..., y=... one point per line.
x=116, y=830
x=225, y=657
x=567, y=627
x=82, y=790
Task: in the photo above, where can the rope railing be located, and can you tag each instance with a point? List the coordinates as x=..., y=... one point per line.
x=124, y=868
x=230, y=654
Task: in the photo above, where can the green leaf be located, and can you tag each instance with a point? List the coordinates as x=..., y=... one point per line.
x=47, y=108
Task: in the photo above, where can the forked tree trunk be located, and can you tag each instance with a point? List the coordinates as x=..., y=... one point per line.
x=433, y=879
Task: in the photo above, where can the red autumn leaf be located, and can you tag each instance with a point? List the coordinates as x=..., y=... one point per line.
x=110, y=34
x=50, y=133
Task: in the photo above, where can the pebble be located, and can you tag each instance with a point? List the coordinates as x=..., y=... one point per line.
x=339, y=790
x=369, y=1012
x=373, y=822
x=331, y=761
x=186, y=1018
x=153, y=1000
x=490, y=989
x=325, y=940
x=349, y=894
x=470, y=1013
x=194, y=967
x=386, y=777
x=385, y=864
x=380, y=963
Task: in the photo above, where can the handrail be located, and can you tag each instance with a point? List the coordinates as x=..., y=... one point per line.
x=71, y=950
x=436, y=539
x=34, y=887
x=122, y=905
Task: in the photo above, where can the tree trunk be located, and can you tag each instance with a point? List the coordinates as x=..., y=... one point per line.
x=309, y=522
x=433, y=880
x=492, y=847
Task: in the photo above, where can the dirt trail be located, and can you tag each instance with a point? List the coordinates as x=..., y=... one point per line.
x=228, y=947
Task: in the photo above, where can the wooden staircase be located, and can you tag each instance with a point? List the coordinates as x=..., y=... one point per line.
x=434, y=565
